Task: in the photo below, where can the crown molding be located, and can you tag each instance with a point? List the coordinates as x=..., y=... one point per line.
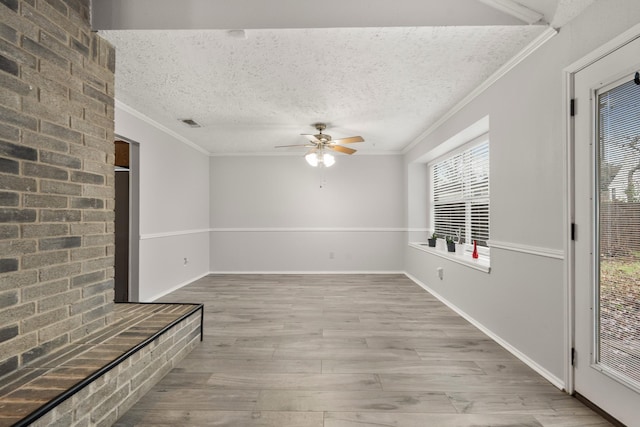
x=516, y=10
x=137, y=114
x=299, y=154
x=512, y=63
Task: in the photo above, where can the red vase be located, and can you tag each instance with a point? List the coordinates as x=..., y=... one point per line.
x=475, y=250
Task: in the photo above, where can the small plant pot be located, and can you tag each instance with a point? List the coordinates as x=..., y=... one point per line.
x=432, y=243
x=451, y=246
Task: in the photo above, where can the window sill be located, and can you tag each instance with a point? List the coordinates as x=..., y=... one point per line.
x=481, y=264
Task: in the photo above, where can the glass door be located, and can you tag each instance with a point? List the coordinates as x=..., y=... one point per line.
x=607, y=247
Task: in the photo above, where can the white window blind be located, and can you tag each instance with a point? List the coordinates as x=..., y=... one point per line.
x=461, y=194
x=618, y=163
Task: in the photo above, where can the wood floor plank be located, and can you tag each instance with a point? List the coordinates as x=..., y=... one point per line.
x=384, y=419
x=234, y=365
x=359, y=354
x=590, y=420
x=344, y=350
x=142, y=418
x=319, y=343
x=542, y=404
x=242, y=352
x=486, y=403
x=443, y=367
x=466, y=383
x=505, y=367
x=358, y=401
x=464, y=349
x=266, y=381
x=373, y=333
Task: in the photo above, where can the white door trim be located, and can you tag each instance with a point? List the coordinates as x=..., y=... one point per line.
x=134, y=217
x=569, y=212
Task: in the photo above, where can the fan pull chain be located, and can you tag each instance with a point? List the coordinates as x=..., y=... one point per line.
x=323, y=180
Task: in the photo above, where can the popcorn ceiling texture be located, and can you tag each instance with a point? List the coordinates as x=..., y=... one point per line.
x=567, y=10
x=386, y=84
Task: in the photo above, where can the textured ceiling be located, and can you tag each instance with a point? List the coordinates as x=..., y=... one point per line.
x=250, y=94
x=567, y=10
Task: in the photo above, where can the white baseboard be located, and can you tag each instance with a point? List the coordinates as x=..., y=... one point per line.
x=559, y=383
x=175, y=288
x=307, y=272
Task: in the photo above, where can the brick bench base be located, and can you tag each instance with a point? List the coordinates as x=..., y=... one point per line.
x=96, y=380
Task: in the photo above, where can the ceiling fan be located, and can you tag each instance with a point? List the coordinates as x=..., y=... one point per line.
x=321, y=142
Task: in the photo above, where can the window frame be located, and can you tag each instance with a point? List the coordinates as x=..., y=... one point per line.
x=483, y=251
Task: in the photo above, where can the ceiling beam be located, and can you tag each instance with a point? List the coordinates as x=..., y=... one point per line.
x=275, y=14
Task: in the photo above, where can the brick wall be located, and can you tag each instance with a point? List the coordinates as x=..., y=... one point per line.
x=56, y=178
x=114, y=393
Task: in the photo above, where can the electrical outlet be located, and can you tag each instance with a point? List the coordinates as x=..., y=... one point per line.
x=440, y=272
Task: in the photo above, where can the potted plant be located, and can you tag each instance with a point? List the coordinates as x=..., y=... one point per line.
x=451, y=245
x=459, y=243
x=432, y=240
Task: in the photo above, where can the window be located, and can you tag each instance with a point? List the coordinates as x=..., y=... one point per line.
x=460, y=193
x=618, y=235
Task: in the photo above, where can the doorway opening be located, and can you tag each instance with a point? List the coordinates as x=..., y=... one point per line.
x=126, y=221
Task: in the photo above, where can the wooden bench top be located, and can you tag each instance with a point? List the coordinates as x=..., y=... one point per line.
x=28, y=393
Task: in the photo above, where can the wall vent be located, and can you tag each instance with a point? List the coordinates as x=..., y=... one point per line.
x=191, y=123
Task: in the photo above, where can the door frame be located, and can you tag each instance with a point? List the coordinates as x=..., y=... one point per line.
x=134, y=218
x=569, y=209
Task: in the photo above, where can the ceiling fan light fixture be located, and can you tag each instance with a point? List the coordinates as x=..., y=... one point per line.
x=320, y=158
x=321, y=144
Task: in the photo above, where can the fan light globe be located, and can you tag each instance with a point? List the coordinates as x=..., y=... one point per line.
x=328, y=159
x=312, y=159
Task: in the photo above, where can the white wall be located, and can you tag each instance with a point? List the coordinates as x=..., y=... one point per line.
x=522, y=300
x=270, y=213
x=174, y=206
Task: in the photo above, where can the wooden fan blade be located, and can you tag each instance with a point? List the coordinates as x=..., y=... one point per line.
x=294, y=145
x=311, y=138
x=341, y=149
x=349, y=140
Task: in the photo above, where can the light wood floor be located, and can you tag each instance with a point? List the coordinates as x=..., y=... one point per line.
x=345, y=351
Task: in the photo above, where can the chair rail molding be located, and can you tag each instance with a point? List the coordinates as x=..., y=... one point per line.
x=172, y=233
x=531, y=250
x=308, y=229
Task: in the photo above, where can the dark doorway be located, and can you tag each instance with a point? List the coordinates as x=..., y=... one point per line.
x=122, y=222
